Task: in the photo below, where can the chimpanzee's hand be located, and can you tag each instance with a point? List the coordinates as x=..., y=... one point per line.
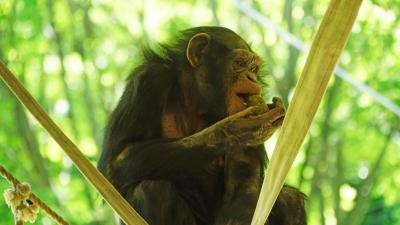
x=254, y=125
x=250, y=127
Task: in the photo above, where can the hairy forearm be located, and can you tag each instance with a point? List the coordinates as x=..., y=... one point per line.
x=163, y=158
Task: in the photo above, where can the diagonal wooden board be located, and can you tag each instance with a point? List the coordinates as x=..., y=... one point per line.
x=322, y=59
x=103, y=186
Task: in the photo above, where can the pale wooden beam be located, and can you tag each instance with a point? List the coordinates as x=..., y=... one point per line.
x=322, y=59
x=103, y=186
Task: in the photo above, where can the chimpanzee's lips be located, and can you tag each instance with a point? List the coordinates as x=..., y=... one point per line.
x=244, y=97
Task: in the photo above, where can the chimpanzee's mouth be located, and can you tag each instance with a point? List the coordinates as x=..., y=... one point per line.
x=244, y=97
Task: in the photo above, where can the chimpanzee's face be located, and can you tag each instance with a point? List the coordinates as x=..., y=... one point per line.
x=241, y=79
x=226, y=72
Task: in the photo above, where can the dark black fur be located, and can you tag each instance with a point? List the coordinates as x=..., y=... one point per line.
x=164, y=180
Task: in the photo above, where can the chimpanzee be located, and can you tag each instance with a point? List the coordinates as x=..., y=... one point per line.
x=184, y=146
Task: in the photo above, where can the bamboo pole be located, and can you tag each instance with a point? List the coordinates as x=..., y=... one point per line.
x=322, y=59
x=103, y=186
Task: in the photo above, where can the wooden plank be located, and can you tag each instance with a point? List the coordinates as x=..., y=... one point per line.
x=103, y=186
x=322, y=59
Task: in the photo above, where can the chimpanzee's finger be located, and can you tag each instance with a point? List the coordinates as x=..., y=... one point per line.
x=272, y=115
x=278, y=102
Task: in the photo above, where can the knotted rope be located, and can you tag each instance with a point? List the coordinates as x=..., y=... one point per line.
x=23, y=203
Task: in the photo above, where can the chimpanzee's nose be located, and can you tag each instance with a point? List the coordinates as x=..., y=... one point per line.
x=252, y=77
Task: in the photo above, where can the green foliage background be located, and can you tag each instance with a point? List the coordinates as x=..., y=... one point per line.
x=74, y=55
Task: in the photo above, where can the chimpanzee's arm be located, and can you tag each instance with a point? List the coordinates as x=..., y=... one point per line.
x=161, y=158
x=157, y=159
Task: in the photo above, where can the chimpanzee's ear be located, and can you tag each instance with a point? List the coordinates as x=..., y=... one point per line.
x=196, y=48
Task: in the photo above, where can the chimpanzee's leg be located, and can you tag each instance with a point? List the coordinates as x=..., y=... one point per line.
x=289, y=208
x=159, y=203
x=243, y=180
x=244, y=169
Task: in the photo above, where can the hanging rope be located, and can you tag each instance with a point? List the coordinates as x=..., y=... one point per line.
x=102, y=185
x=23, y=203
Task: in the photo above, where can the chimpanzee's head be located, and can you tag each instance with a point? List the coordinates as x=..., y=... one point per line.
x=225, y=69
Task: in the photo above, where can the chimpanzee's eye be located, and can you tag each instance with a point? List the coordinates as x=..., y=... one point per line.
x=254, y=68
x=241, y=63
